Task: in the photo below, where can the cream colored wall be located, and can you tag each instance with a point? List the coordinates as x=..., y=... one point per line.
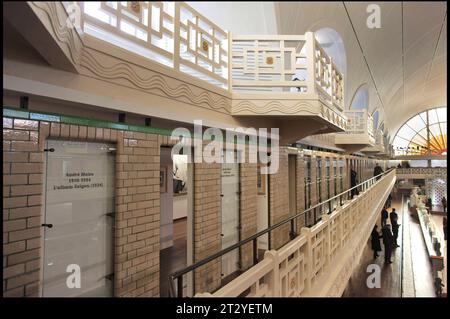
x=424, y=72
x=240, y=17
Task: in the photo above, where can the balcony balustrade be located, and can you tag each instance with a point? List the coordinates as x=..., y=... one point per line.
x=288, y=78
x=170, y=33
x=379, y=148
x=176, y=35
x=320, y=261
x=359, y=131
x=422, y=173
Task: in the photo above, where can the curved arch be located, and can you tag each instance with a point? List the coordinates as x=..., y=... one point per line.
x=333, y=44
x=360, y=99
x=423, y=132
x=376, y=117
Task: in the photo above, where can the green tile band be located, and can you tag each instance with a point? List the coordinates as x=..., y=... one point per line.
x=15, y=113
x=44, y=117
x=50, y=117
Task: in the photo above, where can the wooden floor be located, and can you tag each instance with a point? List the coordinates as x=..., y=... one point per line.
x=392, y=274
x=173, y=258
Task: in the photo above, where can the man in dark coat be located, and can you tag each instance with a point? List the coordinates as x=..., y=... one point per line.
x=353, y=182
x=384, y=217
x=395, y=225
x=388, y=240
x=389, y=201
x=429, y=203
x=377, y=171
x=375, y=241
x=444, y=227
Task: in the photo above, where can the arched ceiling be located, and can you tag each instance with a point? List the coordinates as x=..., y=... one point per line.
x=404, y=62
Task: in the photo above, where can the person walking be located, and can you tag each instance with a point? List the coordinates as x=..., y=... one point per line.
x=429, y=203
x=375, y=241
x=384, y=217
x=388, y=240
x=444, y=204
x=353, y=182
x=444, y=227
x=388, y=201
x=377, y=170
x=393, y=216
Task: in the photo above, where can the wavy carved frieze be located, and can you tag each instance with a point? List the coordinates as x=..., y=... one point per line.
x=274, y=107
x=119, y=72
x=52, y=13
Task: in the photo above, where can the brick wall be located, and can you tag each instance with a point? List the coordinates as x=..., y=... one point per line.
x=137, y=205
x=248, y=208
x=207, y=224
x=22, y=198
x=314, y=196
x=279, y=201
x=324, y=208
x=300, y=192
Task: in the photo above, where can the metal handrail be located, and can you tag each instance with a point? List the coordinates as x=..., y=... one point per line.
x=178, y=275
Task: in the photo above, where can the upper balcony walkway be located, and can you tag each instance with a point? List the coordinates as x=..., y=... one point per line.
x=381, y=147
x=422, y=173
x=170, y=49
x=359, y=132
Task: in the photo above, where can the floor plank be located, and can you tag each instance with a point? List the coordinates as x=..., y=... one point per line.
x=173, y=258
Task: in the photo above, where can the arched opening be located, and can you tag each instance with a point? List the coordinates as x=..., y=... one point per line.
x=333, y=45
x=423, y=134
x=361, y=98
x=375, y=117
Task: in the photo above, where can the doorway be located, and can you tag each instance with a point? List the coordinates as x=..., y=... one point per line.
x=175, y=217
x=78, y=220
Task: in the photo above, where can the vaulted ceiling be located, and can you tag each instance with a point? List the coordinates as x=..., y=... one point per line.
x=403, y=63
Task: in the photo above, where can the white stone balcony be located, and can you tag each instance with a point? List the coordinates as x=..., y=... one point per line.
x=380, y=146
x=358, y=133
x=281, y=77
x=287, y=77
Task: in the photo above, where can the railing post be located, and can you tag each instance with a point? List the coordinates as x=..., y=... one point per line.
x=326, y=219
x=176, y=37
x=230, y=61
x=180, y=286
x=255, y=251
x=310, y=57
x=308, y=258
x=292, y=233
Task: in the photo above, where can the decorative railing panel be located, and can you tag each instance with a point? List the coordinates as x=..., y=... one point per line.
x=424, y=172
x=177, y=36
x=269, y=63
x=327, y=78
x=286, y=63
x=359, y=122
x=171, y=33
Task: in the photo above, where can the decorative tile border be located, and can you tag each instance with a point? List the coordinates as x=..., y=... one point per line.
x=51, y=117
